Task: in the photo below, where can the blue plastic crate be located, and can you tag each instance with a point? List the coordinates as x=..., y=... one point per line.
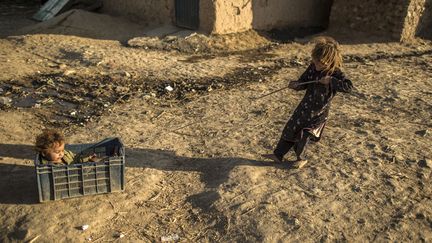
x=57, y=182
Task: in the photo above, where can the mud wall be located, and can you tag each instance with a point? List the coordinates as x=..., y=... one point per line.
x=232, y=16
x=372, y=16
x=207, y=15
x=151, y=12
x=276, y=14
x=415, y=11
x=241, y=15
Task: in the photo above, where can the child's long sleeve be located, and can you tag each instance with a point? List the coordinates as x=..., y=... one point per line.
x=304, y=78
x=340, y=84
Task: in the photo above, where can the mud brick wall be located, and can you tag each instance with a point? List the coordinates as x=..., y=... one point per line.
x=151, y=12
x=372, y=16
x=270, y=14
x=415, y=12
x=240, y=15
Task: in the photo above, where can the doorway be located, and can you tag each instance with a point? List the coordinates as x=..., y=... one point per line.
x=187, y=13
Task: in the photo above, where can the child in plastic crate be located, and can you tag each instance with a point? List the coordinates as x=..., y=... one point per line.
x=51, y=147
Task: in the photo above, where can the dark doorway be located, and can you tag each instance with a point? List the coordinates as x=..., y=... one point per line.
x=187, y=13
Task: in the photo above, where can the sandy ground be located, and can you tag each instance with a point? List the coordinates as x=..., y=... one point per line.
x=368, y=179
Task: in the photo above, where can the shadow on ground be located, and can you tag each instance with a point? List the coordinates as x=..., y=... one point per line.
x=17, y=151
x=213, y=171
x=18, y=184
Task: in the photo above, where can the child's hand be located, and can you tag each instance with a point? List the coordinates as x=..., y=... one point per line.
x=325, y=80
x=293, y=85
x=94, y=158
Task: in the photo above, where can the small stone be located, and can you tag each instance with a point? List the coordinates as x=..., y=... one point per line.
x=356, y=188
x=371, y=145
x=62, y=66
x=169, y=88
x=425, y=163
x=128, y=75
x=170, y=38
x=47, y=101
x=294, y=221
x=422, y=133
x=84, y=227
x=5, y=100
x=69, y=72
x=173, y=237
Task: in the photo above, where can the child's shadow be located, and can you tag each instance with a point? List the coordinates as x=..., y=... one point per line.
x=213, y=171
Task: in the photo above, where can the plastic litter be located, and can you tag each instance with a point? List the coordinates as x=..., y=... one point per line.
x=172, y=237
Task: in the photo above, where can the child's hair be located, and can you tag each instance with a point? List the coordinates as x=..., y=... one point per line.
x=48, y=138
x=327, y=51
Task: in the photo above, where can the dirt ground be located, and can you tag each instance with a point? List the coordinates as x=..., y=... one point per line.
x=194, y=171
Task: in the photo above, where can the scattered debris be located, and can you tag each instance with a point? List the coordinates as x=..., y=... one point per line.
x=173, y=237
x=85, y=98
x=422, y=133
x=200, y=43
x=5, y=101
x=34, y=239
x=69, y=72
x=425, y=163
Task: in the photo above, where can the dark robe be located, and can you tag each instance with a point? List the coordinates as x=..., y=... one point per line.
x=312, y=112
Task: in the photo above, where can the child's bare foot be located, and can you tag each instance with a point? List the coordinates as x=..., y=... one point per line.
x=272, y=157
x=298, y=164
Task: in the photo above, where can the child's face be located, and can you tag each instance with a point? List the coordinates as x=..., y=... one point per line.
x=319, y=66
x=55, y=153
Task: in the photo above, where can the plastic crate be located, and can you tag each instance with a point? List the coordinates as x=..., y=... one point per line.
x=57, y=182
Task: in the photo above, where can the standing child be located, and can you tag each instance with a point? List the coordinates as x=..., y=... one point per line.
x=309, y=118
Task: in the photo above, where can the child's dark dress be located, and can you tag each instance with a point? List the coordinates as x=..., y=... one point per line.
x=311, y=114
